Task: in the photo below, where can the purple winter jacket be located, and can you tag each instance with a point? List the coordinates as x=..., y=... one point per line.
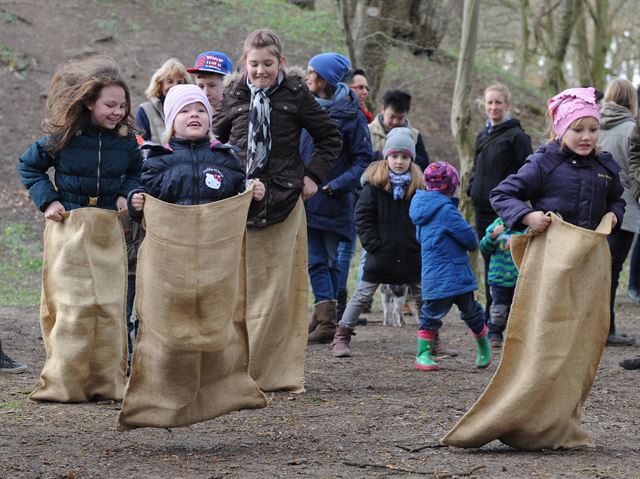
x=580, y=189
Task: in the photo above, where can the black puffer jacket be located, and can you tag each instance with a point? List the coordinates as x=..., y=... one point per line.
x=292, y=109
x=498, y=155
x=192, y=173
x=389, y=236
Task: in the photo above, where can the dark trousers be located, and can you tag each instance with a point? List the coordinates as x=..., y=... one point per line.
x=634, y=266
x=483, y=221
x=434, y=310
x=132, y=328
x=619, y=245
x=502, y=297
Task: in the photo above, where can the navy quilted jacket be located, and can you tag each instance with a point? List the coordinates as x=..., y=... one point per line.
x=191, y=172
x=96, y=163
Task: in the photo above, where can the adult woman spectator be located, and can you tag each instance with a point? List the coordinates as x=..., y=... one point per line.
x=330, y=217
x=501, y=149
x=618, y=118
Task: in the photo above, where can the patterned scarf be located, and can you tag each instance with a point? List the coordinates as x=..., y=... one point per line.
x=259, y=141
x=399, y=183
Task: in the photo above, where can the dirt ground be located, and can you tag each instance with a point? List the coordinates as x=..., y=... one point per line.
x=365, y=416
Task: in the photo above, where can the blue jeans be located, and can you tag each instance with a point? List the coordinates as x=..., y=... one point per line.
x=434, y=310
x=324, y=273
x=346, y=250
x=363, y=259
x=499, y=312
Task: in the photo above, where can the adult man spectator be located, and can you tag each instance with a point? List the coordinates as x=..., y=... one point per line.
x=357, y=81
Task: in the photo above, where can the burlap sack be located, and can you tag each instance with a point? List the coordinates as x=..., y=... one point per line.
x=82, y=308
x=190, y=361
x=555, y=335
x=278, y=290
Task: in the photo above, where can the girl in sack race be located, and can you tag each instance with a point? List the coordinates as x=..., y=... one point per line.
x=568, y=195
x=264, y=110
x=89, y=143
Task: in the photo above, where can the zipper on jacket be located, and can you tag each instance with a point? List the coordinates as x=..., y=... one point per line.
x=194, y=168
x=99, y=162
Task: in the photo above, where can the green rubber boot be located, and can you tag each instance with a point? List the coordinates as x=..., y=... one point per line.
x=424, y=355
x=483, y=351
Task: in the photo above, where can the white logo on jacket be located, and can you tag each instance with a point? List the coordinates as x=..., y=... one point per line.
x=213, y=178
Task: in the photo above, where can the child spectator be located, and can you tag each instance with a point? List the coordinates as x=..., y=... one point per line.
x=210, y=69
x=385, y=230
x=149, y=115
x=192, y=169
x=503, y=275
x=447, y=278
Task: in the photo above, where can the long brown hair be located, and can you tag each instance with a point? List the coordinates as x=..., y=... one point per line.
x=77, y=83
x=377, y=174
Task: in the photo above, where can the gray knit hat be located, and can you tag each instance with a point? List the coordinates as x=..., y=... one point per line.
x=400, y=140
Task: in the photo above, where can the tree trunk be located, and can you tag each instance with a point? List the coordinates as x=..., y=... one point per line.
x=581, y=48
x=524, y=38
x=461, y=104
x=555, y=75
x=601, y=42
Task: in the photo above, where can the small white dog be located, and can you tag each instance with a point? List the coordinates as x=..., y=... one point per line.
x=394, y=297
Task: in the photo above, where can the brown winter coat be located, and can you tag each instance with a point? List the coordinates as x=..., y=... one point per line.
x=292, y=109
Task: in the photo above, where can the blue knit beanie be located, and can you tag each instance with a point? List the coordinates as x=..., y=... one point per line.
x=331, y=66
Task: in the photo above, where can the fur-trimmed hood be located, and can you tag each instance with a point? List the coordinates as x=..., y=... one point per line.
x=295, y=70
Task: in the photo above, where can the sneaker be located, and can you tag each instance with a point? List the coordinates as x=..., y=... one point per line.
x=634, y=294
x=620, y=340
x=496, y=343
x=9, y=366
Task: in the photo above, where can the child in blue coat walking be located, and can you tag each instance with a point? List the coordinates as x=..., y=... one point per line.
x=447, y=278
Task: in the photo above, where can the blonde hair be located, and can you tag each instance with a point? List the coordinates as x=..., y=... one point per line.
x=551, y=134
x=623, y=93
x=377, y=174
x=500, y=88
x=77, y=83
x=261, y=38
x=171, y=67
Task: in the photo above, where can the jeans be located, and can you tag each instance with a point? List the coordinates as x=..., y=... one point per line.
x=502, y=297
x=434, y=310
x=619, y=245
x=634, y=266
x=346, y=250
x=324, y=273
x=363, y=259
x=483, y=221
x=363, y=296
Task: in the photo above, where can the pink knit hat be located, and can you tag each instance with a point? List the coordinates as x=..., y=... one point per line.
x=180, y=96
x=442, y=177
x=569, y=105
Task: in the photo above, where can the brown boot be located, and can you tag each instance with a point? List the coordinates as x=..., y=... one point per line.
x=441, y=349
x=327, y=313
x=313, y=324
x=340, y=345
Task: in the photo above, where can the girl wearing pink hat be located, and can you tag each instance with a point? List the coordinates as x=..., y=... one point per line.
x=568, y=175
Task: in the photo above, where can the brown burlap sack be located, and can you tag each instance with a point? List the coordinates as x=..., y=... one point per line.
x=555, y=335
x=278, y=292
x=82, y=308
x=190, y=361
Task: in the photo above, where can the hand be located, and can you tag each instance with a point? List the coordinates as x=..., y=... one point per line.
x=137, y=201
x=309, y=189
x=537, y=222
x=54, y=211
x=258, y=190
x=327, y=190
x=497, y=231
x=121, y=204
